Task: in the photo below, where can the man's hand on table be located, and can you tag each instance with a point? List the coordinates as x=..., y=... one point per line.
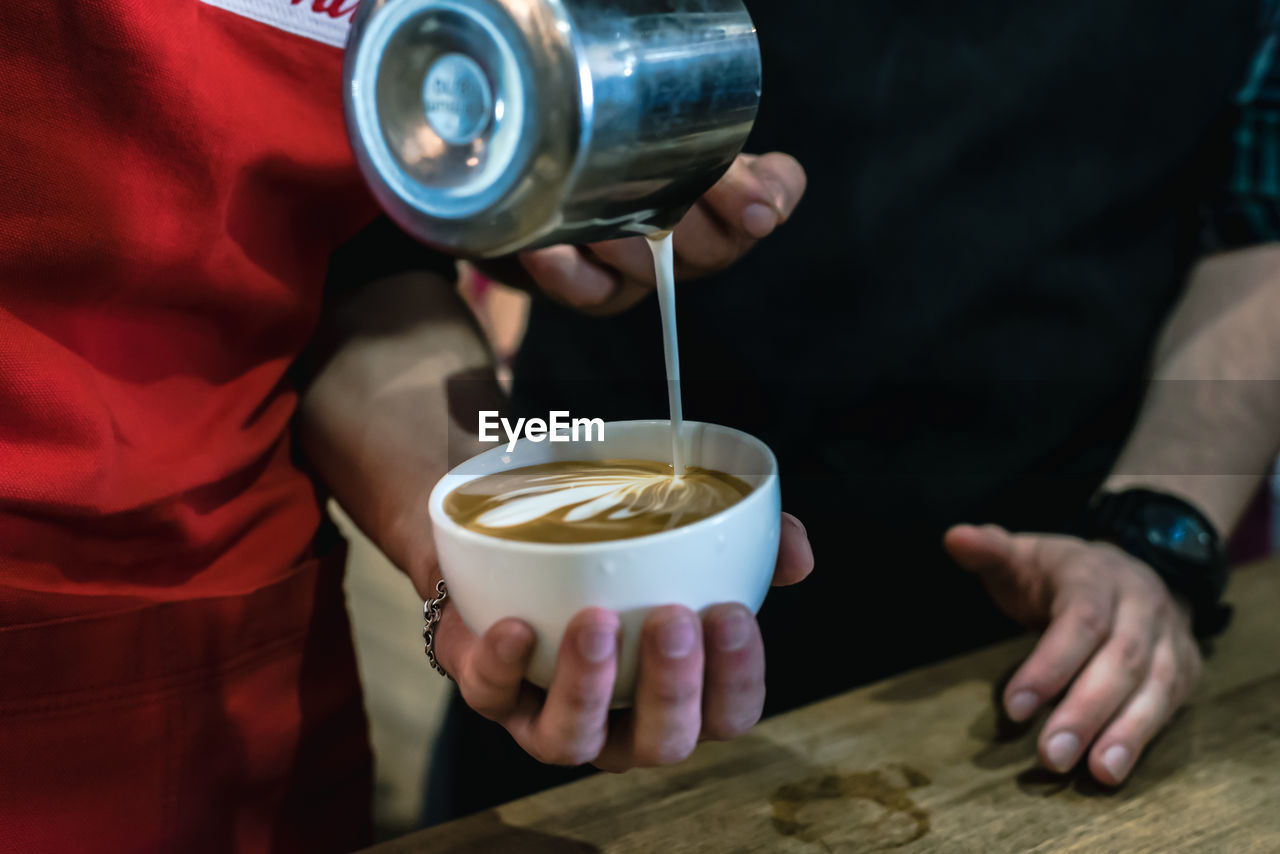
x=755, y=196
x=698, y=679
x=1115, y=641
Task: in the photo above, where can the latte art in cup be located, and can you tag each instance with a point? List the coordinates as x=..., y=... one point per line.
x=589, y=502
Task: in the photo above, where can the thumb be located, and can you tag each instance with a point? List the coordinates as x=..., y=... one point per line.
x=981, y=549
x=1016, y=569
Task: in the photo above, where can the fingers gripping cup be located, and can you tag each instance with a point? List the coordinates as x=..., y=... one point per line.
x=727, y=556
x=490, y=126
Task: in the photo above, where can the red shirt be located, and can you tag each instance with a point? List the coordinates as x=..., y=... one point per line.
x=175, y=667
x=176, y=177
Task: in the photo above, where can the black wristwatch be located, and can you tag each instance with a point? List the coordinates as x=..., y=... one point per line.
x=1174, y=539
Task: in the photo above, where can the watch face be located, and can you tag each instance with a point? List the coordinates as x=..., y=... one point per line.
x=1174, y=531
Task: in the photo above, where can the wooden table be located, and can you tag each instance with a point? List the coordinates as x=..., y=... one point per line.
x=919, y=763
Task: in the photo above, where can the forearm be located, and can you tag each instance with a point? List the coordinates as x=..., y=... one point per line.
x=1209, y=428
x=393, y=403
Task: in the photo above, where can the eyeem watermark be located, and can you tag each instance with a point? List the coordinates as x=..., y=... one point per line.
x=558, y=427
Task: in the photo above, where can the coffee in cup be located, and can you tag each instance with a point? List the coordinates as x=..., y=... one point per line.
x=582, y=501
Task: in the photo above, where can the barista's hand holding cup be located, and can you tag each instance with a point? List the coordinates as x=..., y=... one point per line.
x=606, y=581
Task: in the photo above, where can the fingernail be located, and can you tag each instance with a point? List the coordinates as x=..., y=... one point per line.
x=1022, y=705
x=510, y=647
x=759, y=220
x=596, y=644
x=1062, y=750
x=733, y=632
x=677, y=637
x=777, y=192
x=1116, y=760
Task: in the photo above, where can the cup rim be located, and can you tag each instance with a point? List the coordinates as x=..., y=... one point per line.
x=439, y=518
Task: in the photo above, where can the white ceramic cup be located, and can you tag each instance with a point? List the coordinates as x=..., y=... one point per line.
x=728, y=557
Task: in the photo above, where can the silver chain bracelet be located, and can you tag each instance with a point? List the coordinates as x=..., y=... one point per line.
x=430, y=619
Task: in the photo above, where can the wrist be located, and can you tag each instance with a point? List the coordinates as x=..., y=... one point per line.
x=1222, y=499
x=1182, y=487
x=1172, y=537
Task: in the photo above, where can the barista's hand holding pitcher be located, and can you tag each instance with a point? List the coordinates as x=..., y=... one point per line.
x=756, y=195
x=698, y=679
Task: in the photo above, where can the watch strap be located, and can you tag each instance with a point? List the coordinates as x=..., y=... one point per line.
x=1115, y=518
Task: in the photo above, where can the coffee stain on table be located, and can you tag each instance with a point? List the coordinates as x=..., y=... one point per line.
x=817, y=810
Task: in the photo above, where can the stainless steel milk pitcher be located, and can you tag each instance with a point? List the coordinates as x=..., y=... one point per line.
x=490, y=126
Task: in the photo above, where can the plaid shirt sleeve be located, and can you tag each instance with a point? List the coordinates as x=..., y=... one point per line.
x=1244, y=208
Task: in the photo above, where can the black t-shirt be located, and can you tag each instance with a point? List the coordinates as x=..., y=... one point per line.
x=953, y=326
x=1002, y=206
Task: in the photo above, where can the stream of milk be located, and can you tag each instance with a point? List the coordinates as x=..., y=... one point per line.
x=664, y=267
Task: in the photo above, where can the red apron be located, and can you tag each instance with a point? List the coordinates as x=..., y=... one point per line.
x=176, y=669
x=219, y=725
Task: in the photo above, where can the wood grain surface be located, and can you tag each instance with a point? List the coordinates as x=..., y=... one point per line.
x=921, y=763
